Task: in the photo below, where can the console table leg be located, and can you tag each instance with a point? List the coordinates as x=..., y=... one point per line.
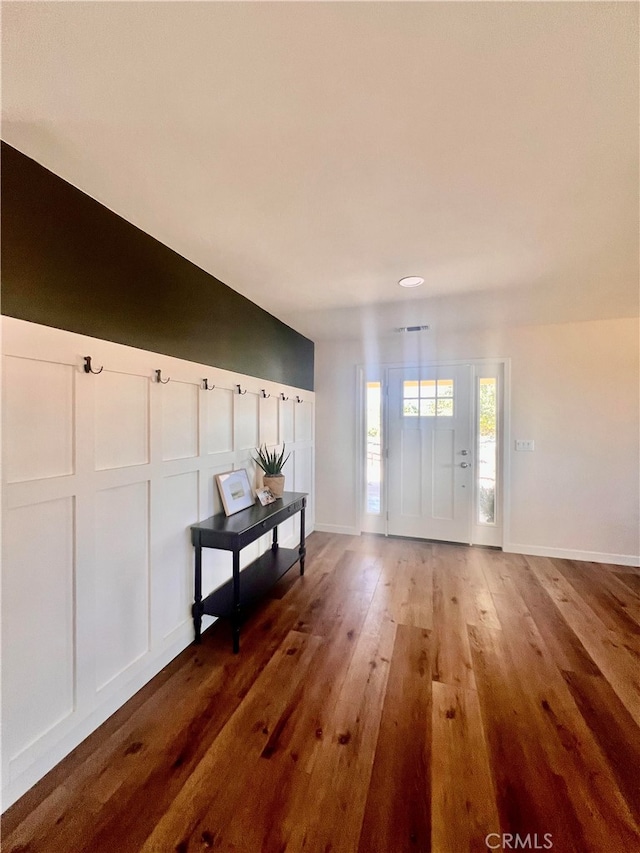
x=235, y=618
x=302, y=550
x=196, y=610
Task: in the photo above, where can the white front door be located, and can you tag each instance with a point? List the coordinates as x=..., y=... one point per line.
x=430, y=465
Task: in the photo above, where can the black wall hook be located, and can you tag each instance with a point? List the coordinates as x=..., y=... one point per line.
x=282, y=397
x=299, y=399
x=87, y=366
x=205, y=385
x=160, y=379
x=240, y=391
x=264, y=394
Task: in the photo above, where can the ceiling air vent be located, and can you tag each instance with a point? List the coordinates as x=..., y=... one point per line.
x=412, y=328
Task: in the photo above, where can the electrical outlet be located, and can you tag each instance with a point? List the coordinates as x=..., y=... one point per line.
x=525, y=444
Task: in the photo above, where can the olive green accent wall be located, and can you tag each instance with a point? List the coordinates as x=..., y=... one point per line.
x=69, y=262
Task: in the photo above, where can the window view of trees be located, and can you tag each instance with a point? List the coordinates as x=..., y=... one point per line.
x=488, y=408
x=374, y=458
x=487, y=450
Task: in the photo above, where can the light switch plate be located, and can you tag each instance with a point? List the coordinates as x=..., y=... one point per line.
x=525, y=444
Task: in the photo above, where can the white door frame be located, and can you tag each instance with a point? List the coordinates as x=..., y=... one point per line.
x=379, y=373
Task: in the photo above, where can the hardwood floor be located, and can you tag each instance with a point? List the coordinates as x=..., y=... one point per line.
x=402, y=696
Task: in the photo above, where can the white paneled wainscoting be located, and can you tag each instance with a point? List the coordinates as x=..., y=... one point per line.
x=102, y=476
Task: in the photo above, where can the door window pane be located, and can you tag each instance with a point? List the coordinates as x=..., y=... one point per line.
x=487, y=449
x=445, y=387
x=428, y=398
x=374, y=438
x=410, y=398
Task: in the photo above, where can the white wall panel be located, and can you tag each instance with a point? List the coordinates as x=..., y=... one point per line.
x=179, y=419
x=303, y=469
x=37, y=621
x=303, y=414
x=268, y=420
x=289, y=471
x=121, y=579
x=98, y=564
x=286, y=420
x=245, y=421
x=212, y=501
x=219, y=429
x=38, y=419
x=216, y=565
x=173, y=566
x=287, y=531
x=121, y=420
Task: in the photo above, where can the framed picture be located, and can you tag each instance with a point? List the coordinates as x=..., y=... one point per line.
x=235, y=491
x=265, y=496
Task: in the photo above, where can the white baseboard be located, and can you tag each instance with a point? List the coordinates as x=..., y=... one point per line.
x=569, y=554
x=531, y=550
x=337, y=528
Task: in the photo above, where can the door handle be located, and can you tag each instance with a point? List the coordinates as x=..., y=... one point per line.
x=465, y=464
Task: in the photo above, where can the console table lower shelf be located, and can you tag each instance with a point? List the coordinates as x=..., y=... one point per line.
x=245, y=587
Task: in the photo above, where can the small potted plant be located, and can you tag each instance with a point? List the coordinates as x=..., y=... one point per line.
x=272, y=464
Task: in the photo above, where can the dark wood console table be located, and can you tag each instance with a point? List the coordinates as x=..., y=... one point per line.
x=233, y=533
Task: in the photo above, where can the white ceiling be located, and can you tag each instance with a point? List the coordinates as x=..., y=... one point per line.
x=310, y=154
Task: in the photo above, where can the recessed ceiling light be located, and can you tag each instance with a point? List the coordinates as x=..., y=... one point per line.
x=411, y=281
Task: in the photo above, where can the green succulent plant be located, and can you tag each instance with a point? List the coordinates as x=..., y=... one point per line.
x=271, y=461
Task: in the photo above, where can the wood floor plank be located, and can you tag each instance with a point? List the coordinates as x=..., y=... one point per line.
x=531, y=798
x=610, y=600
x=403, y=753
x=450, y=653
x=266, y=819
x=614, y=730
x=622, y=570
x=631, y=581
x=563, y=644
x=498, y=567
x=354, y=576
x=606, y=649
x=332, y=818
x=564, y=736
x=410, y=579
x=477, y=603
x=301, y=733
x=463, y=801
x=223, y=775
x=402, y=695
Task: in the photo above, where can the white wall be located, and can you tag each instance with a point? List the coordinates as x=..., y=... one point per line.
x=102, y=476
x=574, y=390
